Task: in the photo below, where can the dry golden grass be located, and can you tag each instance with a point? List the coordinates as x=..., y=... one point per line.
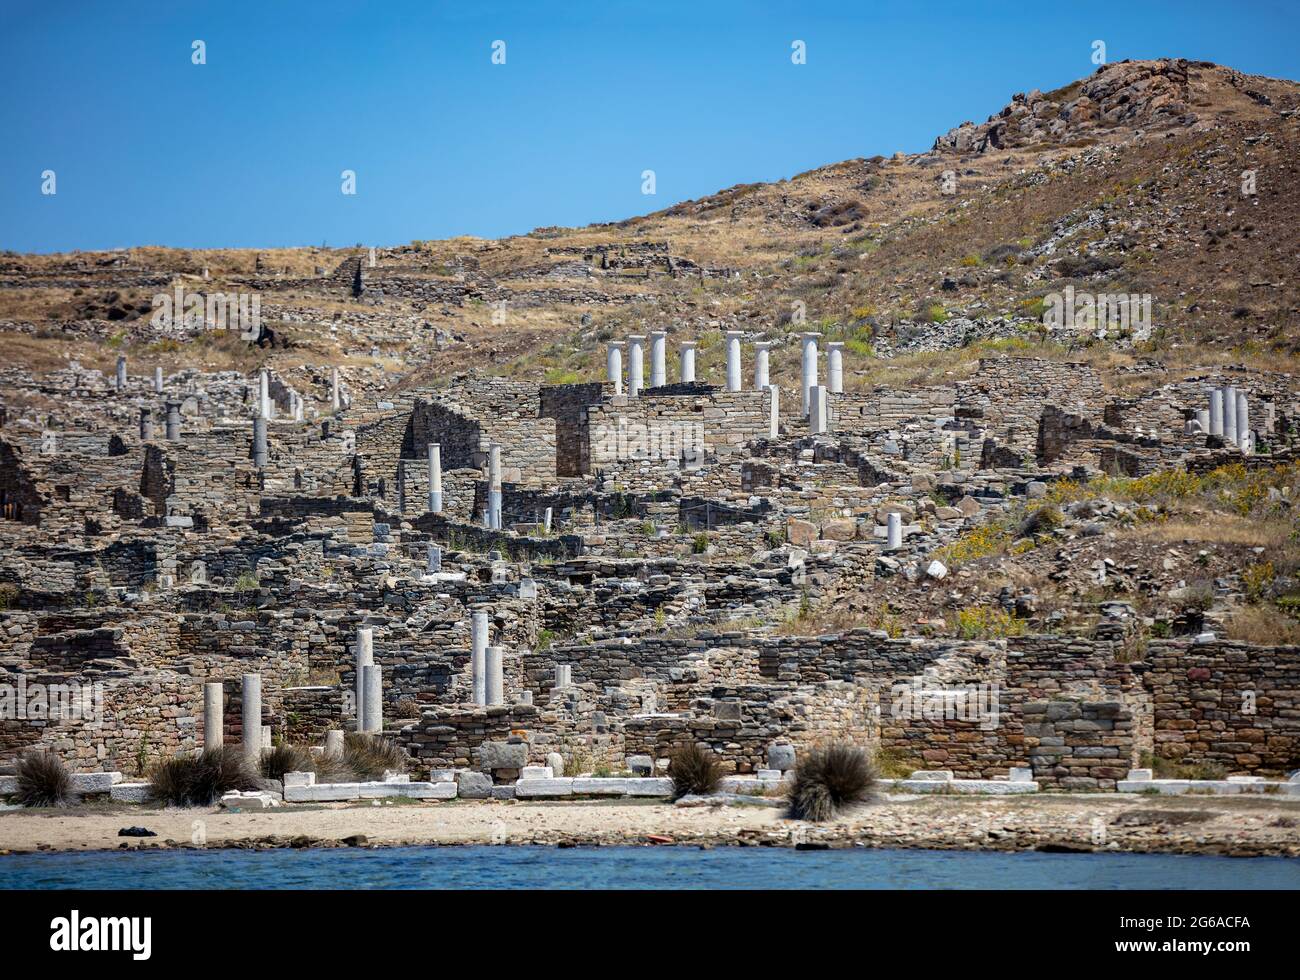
x=1263, y=624
x=1218, y=528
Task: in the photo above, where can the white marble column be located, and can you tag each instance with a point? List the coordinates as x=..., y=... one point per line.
x=478, y=638
x=733, y=360
x=688, y=361
x=214, y=715
x=761, y=360
x=893, y=531
x=157, y=380
x=835, y=368
x=494, y=487
x=774, y=419
x=658, y=358
x=817, y=406
x=1216, y=412
x=365, y=657
x=1230, y=415
x=1243, y=422
x=372, y=684
x=494, y=688
x=265, y=406
x=435, y=478
x=335, y=401
x=252, y=719
x=635, y=365
x=809, y=373
x=120, y=380
x=614, y=365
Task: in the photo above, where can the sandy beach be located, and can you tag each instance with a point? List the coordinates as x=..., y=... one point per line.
x=1237, y=826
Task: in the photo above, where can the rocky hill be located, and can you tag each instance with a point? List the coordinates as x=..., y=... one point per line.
x=1172, y=178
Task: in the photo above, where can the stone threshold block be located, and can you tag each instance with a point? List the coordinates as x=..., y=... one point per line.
x=301, y=787
x=85, y=783
x=253, y=800
x=1141, y=781
x=755, y=785
x=943, y=781
x=541, y=788
x=130, y=793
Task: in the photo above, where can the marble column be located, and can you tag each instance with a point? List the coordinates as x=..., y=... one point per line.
x=1216, y=412
x=494, y=690
x=252, y=719
x=1230, y=415
x=614, y=365
x=120, y=380
x=893, y=531
x=435, y=478
x=372, y=684
x=817, y=410
x=214, y=721
x=478, y=638
x=173, y=421
x=687, y=361
x=260, y=450
x=658, y=358
x=335, y=403
x=158, y=380
x=835, y=368
x=774, y=419
x=761, y=358
x=365, y=657
x=146, y=425
x=733, y=360
x=1243, y=422
x=265, y=408
x=635, y=365
x=809, y=366
x=494, y=487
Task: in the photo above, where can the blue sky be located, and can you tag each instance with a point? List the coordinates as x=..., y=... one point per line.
x=247, y=149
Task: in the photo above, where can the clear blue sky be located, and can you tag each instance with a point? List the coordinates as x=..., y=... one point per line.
x=247, y=150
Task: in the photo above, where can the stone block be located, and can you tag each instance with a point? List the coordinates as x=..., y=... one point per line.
x=322, y=793
x=501, y=755
x=541, y=788
x=598, y=786
x=657, y=786
x=536, y=772
x=780, y=755
x=474, y=785
x=130, y=793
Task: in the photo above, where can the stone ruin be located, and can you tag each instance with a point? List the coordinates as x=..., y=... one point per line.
x=499, y=575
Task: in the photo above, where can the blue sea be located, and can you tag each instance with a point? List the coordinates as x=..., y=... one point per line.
x=636, y=867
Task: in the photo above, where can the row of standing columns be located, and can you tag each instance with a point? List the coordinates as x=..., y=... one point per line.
x=255, y=735
x=119, y=380
x=635, y=346
x=1228, y=417
x=486, y=664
